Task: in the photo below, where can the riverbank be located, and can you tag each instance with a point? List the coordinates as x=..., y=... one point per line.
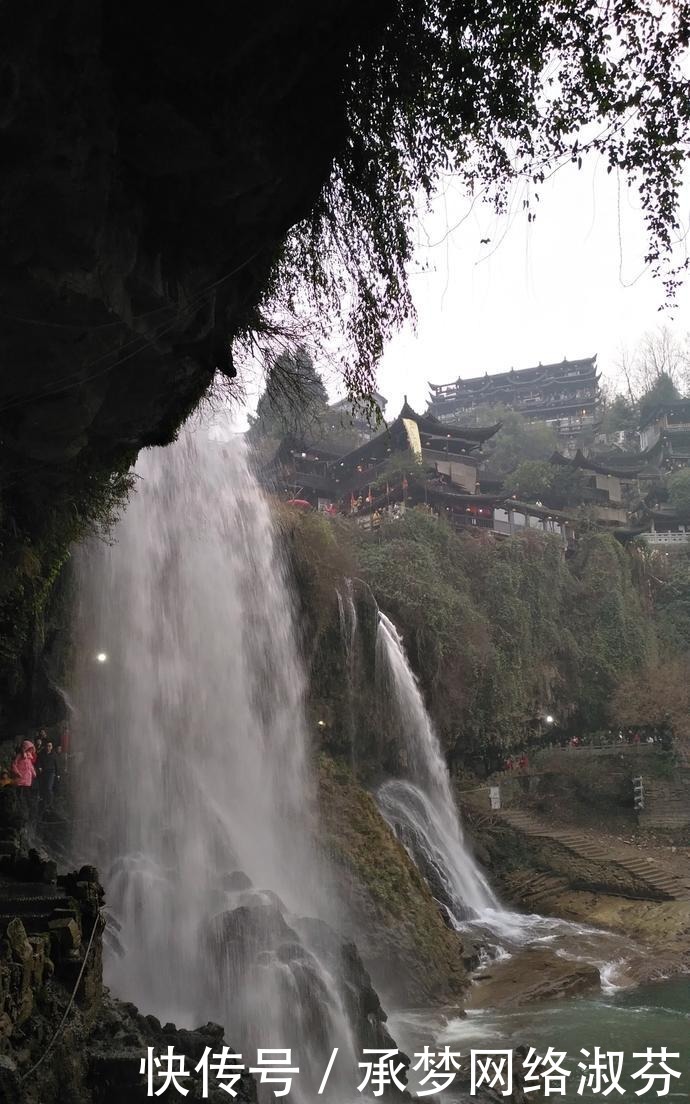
x=596, y=878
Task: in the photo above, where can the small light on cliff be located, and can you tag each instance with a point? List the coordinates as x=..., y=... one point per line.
x=548, y=718
x=102, y=657
x=321, y=724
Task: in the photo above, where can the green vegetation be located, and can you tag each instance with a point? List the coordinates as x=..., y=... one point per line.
x=399, y=928
x=679, y=492
x=534, y=480
x=662, y=390
x=57, y=515
x=517, y=441
x=293, y=401
x=672, y=601
x=504, y=632
x=500, y=632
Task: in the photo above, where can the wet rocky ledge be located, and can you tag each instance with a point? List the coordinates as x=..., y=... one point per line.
x=531, y=976
x=63, y=1037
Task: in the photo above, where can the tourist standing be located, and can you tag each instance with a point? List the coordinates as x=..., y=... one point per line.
x=47, y=775
x=24, y=772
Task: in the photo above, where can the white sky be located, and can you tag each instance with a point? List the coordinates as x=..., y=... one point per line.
x=572, y=283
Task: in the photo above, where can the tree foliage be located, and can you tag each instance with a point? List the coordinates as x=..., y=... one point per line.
x=553, y=485
x=672, y=599
x=679, y=492
x=662, y=391
x=494, y=93
x=293, y=401
x=659, y=359
x=502, y=632
x=657, y=696
x=517, y=440
x=619, y=415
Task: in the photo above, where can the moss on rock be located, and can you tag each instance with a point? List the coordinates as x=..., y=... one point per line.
x=399, y=929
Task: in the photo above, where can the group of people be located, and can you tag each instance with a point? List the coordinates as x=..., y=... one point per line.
x=35, y=771
x=520, y=762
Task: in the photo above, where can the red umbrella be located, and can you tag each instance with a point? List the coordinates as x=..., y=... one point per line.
x=300, y=503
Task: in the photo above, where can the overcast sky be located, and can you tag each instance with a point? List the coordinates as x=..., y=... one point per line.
x=572, y=283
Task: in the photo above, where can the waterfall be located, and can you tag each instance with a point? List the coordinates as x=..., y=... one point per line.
x=347, y=618
x=420, y=805
x=420, y=808
x=347, y=615
x=194, y=782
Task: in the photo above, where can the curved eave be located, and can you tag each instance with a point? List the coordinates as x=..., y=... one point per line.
x=585, y=464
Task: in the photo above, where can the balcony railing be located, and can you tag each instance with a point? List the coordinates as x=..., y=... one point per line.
x=672, y=536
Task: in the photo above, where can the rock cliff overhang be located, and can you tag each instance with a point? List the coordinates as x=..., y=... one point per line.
x=154, y=157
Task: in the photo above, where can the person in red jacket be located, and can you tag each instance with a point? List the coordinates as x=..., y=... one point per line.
x=24, y=774
x=23, y=767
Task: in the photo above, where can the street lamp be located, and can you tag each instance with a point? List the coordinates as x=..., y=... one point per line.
x=101, y=657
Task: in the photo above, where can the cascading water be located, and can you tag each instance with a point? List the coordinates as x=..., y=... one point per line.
x=421, y=810
x=421, y=806
x=194, y=781
x=347, y=617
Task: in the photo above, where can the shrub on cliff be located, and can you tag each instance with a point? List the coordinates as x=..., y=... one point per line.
x=500, y=632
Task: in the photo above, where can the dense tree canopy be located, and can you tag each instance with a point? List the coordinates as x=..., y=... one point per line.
x=294, y=398
x=663, y=390
x=502, y=632
x=493, y=93
x=679, y=492
x=537, y=480
x=517, y=439
x=619, y=415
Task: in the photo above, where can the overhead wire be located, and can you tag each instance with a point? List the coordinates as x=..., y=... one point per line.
x=78, y=378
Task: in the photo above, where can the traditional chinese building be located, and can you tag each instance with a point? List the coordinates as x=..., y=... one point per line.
x=564, y=395
x=608, y=484
x=449, y=450
x=317, y=474
x=664, y=528
x=416, y=461
x=665, y=435
x=343, y=416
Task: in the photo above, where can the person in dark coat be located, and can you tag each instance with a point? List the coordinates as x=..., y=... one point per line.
x=48, y=764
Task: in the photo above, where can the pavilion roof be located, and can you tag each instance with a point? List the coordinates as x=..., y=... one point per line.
x=430, y=429
x=562, y=371
x=680, y=406
x=601, y=467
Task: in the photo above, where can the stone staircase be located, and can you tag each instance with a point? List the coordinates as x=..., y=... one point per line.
x=667, y=805
x=34, y=903
x=662, y=883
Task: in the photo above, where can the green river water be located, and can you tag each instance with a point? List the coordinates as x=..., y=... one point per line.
x=629, y=1020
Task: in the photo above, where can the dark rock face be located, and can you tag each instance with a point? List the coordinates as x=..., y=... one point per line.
x=151, y=167
x=120, y=1040
x=51, y=954
x=154, y=159
x=298, y=978
x=360, y=999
